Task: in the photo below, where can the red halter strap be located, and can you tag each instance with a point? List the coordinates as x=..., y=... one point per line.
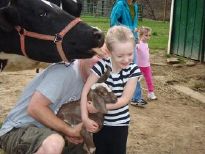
x=57, y=39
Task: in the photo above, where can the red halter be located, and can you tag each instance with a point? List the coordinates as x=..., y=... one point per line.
x=57, y=38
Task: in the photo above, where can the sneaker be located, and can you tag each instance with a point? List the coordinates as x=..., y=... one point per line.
x=151, y=96
x=139, y=103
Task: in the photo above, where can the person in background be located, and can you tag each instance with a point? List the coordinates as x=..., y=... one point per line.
x=32, y=125
x=112, y=138
x=143, y=59
x=125, y=12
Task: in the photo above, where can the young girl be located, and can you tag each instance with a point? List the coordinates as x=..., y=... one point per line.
x=124, y=74
x=143, y=59
x=125, y=12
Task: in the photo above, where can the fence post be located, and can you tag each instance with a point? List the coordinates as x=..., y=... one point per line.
x=165, y=10
x=140, y=12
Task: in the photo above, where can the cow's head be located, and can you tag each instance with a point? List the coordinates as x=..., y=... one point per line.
x=73, y=7
x=42, y=17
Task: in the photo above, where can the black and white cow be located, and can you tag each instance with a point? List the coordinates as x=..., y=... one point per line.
x=42, y=31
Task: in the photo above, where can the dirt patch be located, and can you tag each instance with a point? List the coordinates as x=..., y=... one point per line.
x=173, y=124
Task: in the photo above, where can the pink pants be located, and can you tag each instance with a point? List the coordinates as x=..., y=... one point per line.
x=147, y=73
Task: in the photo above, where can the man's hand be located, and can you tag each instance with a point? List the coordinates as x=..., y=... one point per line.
x=74, y=135
x=104, y=52
x=75, y=131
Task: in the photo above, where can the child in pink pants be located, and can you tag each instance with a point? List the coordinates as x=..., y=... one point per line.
x=143, y=59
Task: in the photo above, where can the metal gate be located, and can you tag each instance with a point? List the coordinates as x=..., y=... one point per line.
x=100, y=8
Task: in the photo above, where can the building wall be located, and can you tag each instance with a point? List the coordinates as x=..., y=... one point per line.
x=188, y=29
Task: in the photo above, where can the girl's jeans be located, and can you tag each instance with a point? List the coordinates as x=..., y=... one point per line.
x=138, y=93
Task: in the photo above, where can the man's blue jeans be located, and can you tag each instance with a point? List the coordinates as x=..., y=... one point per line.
x=138, y=92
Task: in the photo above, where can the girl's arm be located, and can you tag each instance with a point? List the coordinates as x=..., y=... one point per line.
x=126, y=96
x=90, y=125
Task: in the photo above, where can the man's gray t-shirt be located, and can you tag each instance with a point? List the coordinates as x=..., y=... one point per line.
x=59, y=83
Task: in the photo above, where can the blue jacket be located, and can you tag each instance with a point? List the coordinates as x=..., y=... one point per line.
x=120, y=15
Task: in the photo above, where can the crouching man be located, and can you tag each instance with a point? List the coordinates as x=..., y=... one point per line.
x=32, y=125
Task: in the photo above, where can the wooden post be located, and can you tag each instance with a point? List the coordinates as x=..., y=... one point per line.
x=170, y=28
x=165, y=10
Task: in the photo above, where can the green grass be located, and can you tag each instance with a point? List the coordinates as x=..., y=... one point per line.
x=101, y=22
x=1, y=151
x=160, y=30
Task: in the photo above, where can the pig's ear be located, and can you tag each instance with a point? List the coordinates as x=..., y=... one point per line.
x=99, y=103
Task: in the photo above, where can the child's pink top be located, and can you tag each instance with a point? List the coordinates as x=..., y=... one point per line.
x=143, y=59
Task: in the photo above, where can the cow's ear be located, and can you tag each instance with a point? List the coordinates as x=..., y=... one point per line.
x=12, y=2
x=4, y=24
x=80, y=7
x=8, y=18
x=4, y=3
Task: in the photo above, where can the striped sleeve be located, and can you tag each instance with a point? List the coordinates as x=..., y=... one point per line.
x=135, y=71
x=100, y=67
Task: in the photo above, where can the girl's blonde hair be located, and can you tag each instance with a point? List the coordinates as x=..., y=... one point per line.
x=142, y=30
x=118, y=34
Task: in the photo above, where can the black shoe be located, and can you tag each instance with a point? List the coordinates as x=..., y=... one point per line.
x=139, y=103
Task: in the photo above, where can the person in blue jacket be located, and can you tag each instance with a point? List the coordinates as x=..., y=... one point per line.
x=125, y=12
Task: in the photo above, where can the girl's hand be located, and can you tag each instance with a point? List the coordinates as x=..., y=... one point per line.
x=90, y=125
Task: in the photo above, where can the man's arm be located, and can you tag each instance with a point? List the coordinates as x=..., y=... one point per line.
x=38, y=109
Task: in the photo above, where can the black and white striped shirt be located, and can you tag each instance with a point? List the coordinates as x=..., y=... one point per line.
x=116, y=82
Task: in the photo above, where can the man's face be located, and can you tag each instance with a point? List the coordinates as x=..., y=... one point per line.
x=87, y=64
